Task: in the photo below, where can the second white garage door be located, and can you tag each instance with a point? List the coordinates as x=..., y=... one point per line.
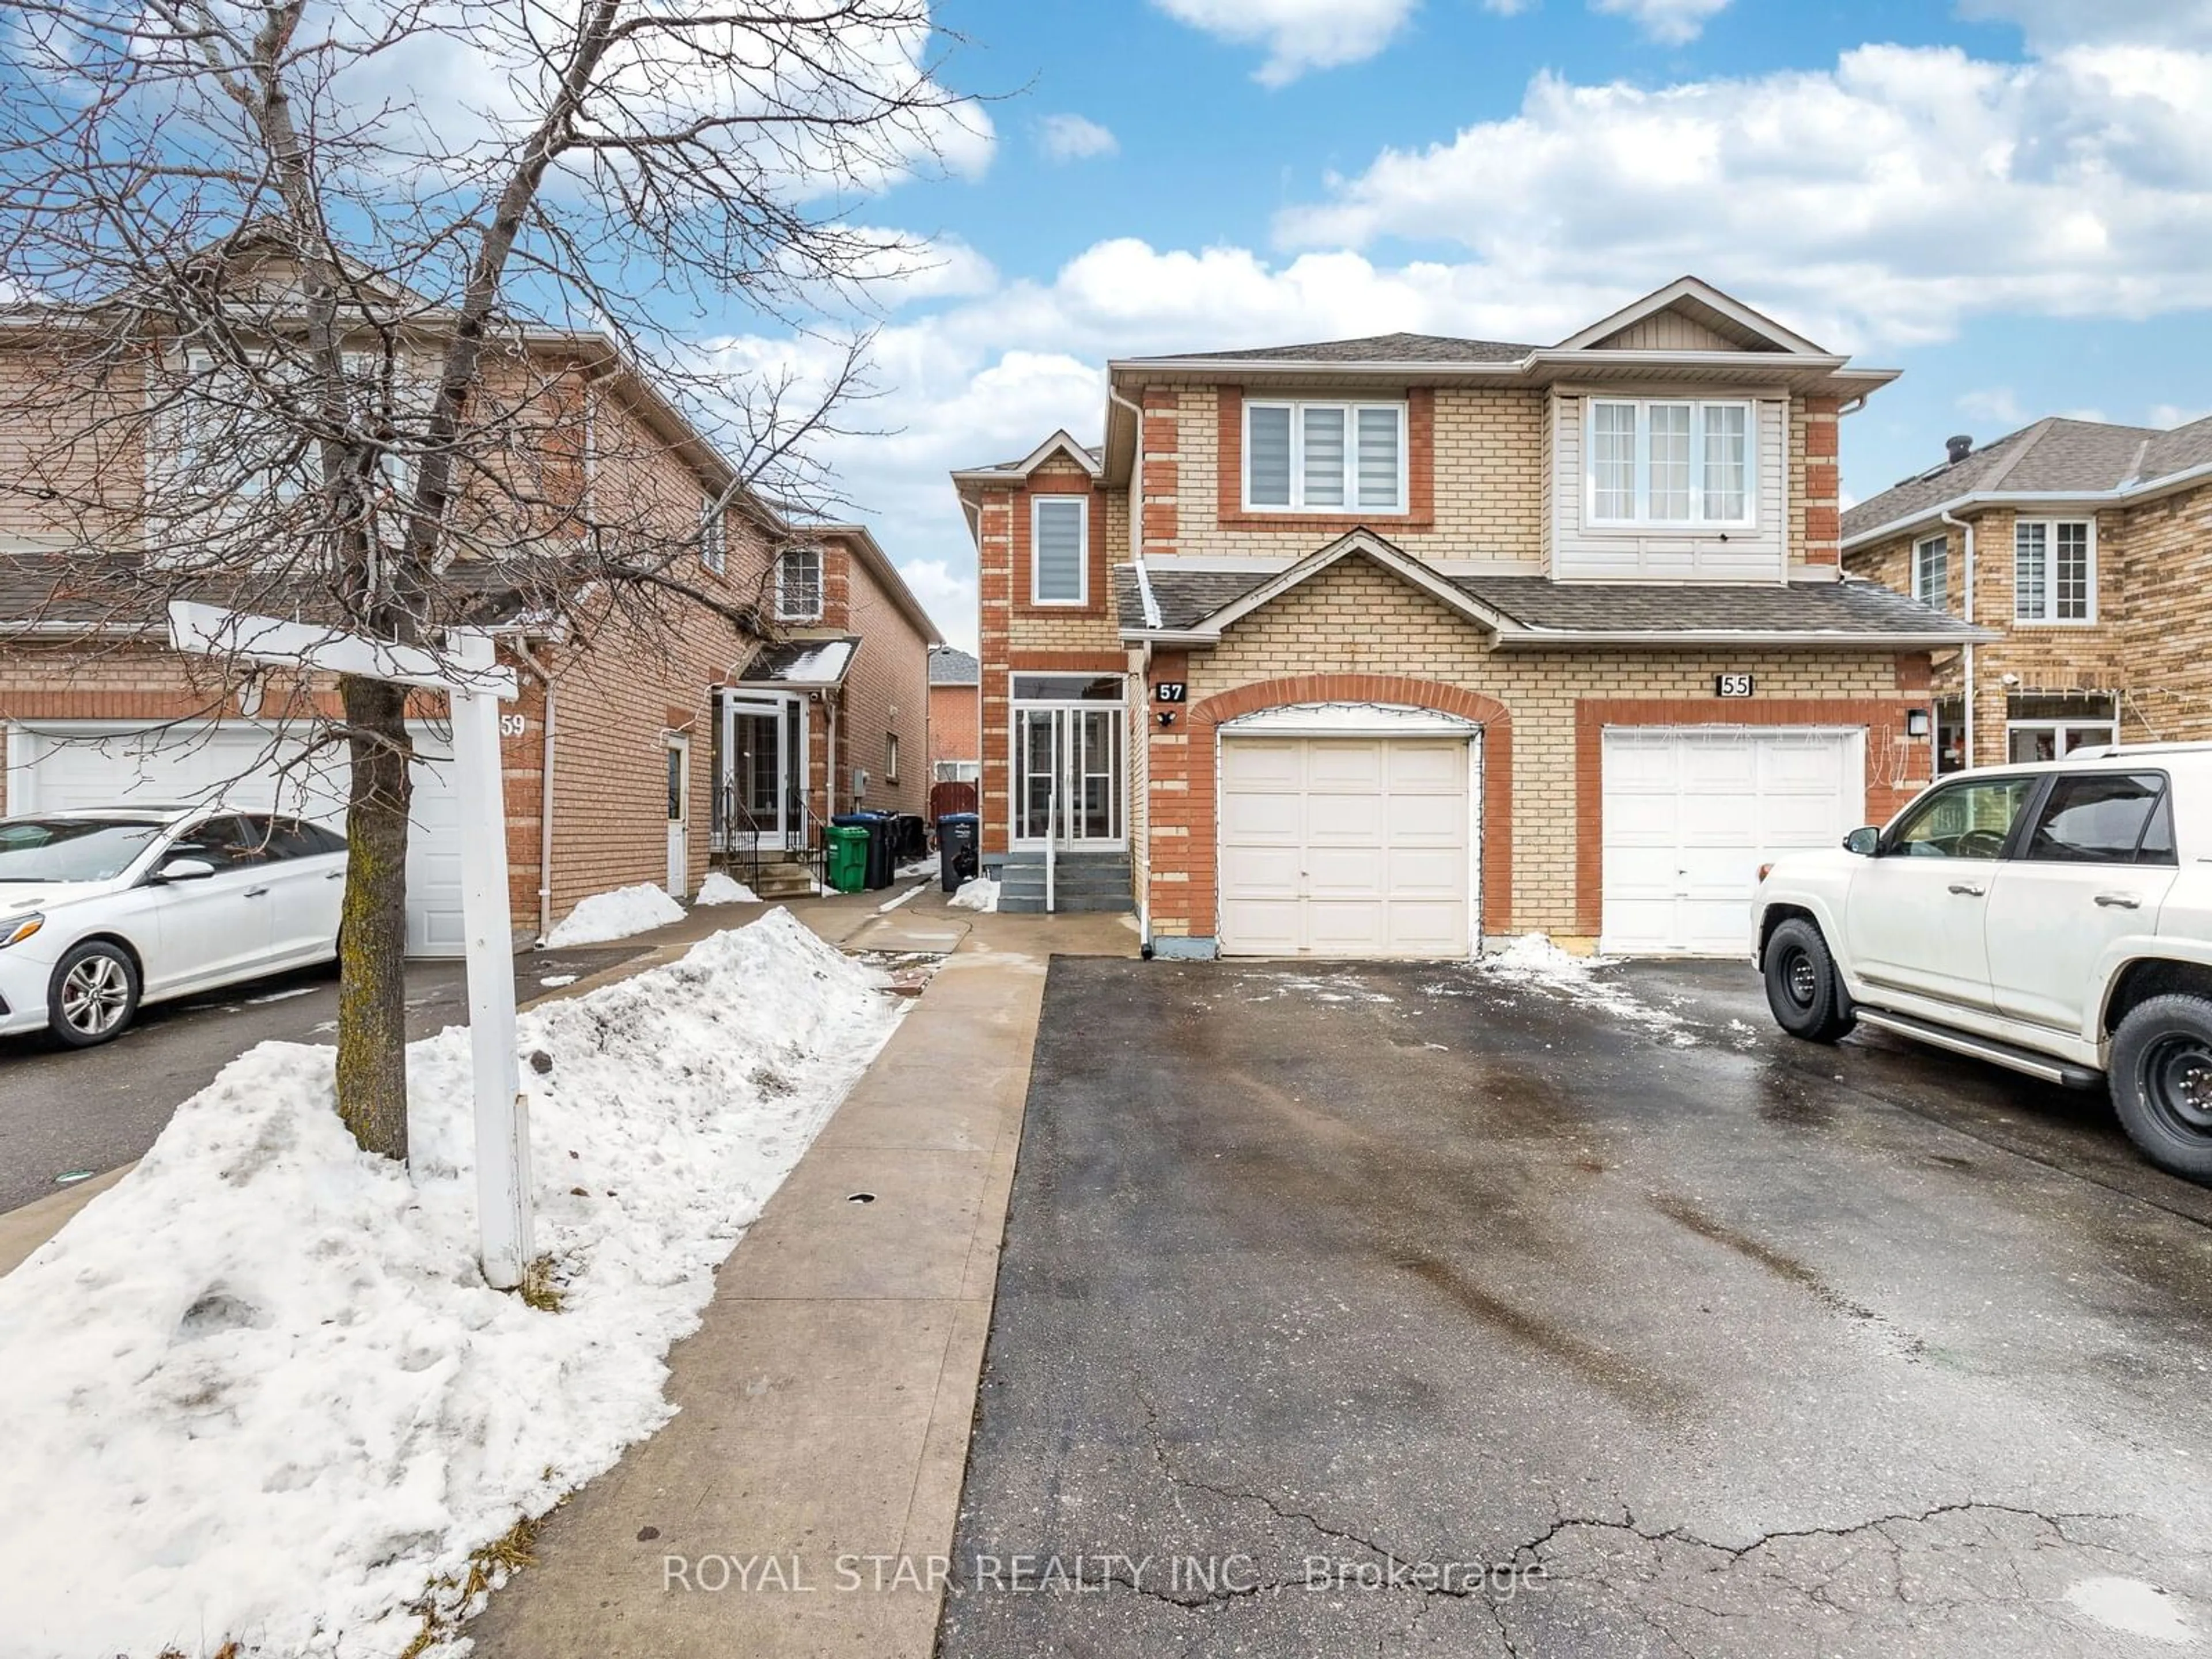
x=1691, y=814
x=54, y=765
x=1345, y=846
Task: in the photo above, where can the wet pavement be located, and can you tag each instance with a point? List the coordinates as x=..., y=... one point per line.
x=1406, y=1309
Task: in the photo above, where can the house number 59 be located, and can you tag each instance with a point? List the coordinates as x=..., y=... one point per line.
x=513, y=725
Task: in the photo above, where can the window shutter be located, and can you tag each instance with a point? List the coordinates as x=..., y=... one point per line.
x=1268, y=467
x=1059, y=550
x=1378, y=458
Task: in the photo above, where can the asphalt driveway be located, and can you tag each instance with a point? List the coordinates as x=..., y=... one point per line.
x=1411, y=1310
x=63, y=1111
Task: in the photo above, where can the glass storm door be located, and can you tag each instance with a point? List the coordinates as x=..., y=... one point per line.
x=1067, y=774
x=764, y=741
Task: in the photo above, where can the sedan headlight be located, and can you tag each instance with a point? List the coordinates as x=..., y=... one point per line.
x=21, y=928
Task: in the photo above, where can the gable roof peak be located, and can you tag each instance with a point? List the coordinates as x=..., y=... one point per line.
x=1717, y=313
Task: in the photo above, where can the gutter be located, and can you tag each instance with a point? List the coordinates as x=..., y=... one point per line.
x=1538, y=637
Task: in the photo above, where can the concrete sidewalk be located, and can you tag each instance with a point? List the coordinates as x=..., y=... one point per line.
x=826, y=1399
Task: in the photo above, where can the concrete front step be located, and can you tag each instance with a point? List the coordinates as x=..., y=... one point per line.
x=1032, y=904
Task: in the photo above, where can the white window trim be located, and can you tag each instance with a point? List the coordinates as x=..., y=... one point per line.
x=2050, y=575
x=713, y=536
x=783, y=611
x=1082, y=551
x=1696, y=520
x=2055, y=728
x=1347, y=508
x=890, y=757
x=1919, y=590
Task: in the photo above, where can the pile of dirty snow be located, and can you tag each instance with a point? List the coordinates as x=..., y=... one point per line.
x=719, y=888
x=980, y=894
x=617, y=914
x=259, y=1391
x=929, y=866
x=1532, y=962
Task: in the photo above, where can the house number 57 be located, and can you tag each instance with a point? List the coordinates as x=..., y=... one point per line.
x=513, y=725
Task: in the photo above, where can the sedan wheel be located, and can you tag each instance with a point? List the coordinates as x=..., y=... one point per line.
x=94, y=995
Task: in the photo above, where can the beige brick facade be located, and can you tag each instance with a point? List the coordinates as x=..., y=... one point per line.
x=2150, y=647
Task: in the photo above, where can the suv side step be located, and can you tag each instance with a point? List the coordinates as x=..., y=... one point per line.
x=1981, y=1048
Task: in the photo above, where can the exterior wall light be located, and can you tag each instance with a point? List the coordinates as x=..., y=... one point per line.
x=1916, y=722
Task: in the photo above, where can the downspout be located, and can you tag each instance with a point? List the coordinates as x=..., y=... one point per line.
x=544, y=796
x=1967, y=662
x=1152, y=620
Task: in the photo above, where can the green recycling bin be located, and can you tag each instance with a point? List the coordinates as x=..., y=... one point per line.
x=848, y=857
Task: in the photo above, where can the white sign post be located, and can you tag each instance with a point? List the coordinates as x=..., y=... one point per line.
x=476, y=686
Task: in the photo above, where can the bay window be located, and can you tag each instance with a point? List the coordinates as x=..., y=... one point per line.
x=1325, y=457
x=1669, y=461
x=2054, y=570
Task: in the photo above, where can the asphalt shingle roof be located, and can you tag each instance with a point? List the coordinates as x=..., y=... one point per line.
x=2052, y=457
x=1369, y=348
x=1186, y=598
x=949, y=665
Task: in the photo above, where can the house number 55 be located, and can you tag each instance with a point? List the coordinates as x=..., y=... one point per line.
x=513, y=725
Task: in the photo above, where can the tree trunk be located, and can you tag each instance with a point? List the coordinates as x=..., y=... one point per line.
x=372, y=1070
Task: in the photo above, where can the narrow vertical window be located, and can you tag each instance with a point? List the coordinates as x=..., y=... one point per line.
x=1670, y=463
x=2030, y=570
x=1323, y=456
x=1268, y=460
x=1379, y=456
x=1058, y=524
x=1727, y=481
x=1613, y=460
x=1931, y=570
x=2070, y=572
x=714, y=537
x=799, y=584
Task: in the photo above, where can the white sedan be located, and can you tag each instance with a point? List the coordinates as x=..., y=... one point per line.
x=103, y=911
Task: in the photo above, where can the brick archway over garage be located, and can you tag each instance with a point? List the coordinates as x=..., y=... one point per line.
x=1199, y=902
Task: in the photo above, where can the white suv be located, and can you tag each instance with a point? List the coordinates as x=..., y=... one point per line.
x=2055, y=918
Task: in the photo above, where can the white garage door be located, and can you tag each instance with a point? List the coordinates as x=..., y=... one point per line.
x=53, y=765
x=1691, y=814
x=1345, y=846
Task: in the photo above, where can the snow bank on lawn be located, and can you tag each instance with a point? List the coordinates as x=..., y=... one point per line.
x=1532, y=962
x=617, y=914
x=980, y=894
x=719, y=889
x=259, y=1391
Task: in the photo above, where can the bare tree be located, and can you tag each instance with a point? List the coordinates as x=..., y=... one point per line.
x=311, y=306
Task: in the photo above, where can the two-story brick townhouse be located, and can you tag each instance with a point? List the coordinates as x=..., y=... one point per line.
x=614, y=749
x=2087, y=549
x=842, y=700
x=1380, y=645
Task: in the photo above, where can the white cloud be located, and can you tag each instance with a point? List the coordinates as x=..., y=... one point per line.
x=2171, y=415
x=1074, y=138
x=2050, y=24
x=1881, y=201
x=1297, y=35
x=948, y=593
x=1675, y=22
x=1997, y=404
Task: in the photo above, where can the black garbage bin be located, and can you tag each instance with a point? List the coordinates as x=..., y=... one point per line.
x=910, y=835
x=959, y=849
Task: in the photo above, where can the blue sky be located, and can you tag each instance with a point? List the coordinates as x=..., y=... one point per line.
x=2008, y=200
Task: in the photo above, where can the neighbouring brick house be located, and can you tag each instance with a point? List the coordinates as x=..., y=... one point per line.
x=956, y=713
x=2087, y=549
x=613, y=749
x=1375, y=646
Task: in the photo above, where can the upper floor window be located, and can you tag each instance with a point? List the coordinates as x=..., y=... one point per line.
x=1931, y=570
x=1060, y=534
x=799, y=584
x=1325, y=457
x=714, y=535
x=2054, y=570
x=1666, y=462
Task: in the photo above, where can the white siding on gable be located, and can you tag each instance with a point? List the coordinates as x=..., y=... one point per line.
x=1580, y=552
x=1668, y=331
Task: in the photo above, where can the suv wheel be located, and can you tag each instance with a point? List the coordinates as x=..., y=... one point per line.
x=2162, y=1082
x=93, y=994
x=1803, y=987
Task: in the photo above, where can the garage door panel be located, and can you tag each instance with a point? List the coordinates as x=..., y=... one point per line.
x=1690, y=815
x=72, y=765
x=1350, y=846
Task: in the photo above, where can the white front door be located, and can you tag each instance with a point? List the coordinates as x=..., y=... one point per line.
x=1346, y=847
x=1067, y=774
x=1690, y=813
x=763, y=796
x=679, y=817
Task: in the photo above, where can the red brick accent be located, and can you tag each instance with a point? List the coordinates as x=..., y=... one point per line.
x=1821, y=480
x=1915, y=672
x=1892, y=776
x=1420, y=473
x=1821, y=439
x=1183, y=805
x=1159, y=399
x=1067, y=662
x=1823, y=525
x=1017, y=568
